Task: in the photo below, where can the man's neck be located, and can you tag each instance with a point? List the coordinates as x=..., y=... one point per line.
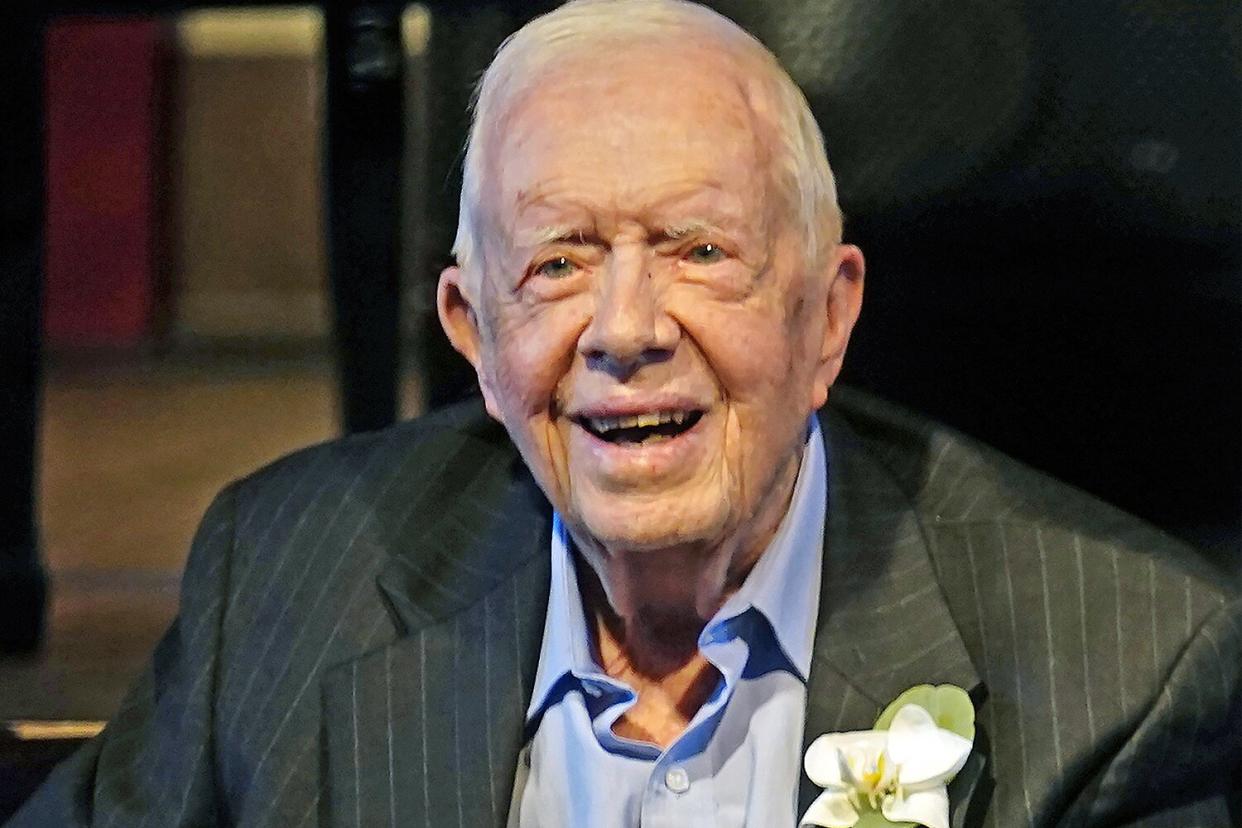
x=645, y=612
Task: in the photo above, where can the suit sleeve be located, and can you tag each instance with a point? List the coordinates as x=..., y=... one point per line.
x=1182, y=766
x=152, y=765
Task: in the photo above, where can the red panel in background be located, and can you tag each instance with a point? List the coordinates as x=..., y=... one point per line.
x=102, y=101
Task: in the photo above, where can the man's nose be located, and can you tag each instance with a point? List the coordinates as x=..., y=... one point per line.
x=629, y=328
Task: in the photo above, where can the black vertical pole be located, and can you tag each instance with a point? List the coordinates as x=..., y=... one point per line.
x=363, y=163
x=23, y=585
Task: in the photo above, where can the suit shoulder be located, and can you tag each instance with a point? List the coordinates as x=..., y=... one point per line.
x=954, y=482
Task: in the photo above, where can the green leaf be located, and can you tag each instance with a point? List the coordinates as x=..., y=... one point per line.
x=948, y=705
x=874, y=819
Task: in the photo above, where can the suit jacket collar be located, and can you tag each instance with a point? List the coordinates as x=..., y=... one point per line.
x=426, y=729
x=883, y=621
x=883, y=625
x=469, y=592
x=494, y=527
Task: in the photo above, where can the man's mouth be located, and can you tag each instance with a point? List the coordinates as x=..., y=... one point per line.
x=641, y=428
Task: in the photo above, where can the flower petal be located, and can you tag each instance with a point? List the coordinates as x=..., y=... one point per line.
x=831, y=809
x=929, y=808
x=925, y=753
x=823, y=764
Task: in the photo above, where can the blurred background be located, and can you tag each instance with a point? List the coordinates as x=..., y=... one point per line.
x=221, y=227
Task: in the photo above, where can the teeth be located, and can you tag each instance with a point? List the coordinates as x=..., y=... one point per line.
x=655, y=418
x=604, y=424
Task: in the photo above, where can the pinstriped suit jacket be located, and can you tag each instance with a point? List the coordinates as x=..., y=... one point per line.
x=360, y=627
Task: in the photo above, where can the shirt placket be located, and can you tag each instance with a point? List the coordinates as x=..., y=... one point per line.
x=681, y=790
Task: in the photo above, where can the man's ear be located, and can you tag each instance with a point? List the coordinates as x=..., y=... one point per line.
x=845, y=269
x=456, y=305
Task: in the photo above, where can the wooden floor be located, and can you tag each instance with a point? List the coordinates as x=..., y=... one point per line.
x=131, y=454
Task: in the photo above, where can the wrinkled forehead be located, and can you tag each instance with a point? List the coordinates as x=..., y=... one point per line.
x=651, y=129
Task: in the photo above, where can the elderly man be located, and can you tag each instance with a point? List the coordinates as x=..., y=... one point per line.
x=641, y=600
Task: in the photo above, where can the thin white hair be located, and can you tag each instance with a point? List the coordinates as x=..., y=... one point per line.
x=799, y=161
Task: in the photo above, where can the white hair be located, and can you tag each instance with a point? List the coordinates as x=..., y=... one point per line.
x=800, y=164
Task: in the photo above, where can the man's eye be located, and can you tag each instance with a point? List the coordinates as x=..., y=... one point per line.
x=557, y=268
x=705, y=254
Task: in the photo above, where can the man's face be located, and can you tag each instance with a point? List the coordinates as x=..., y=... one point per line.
x=649, y=330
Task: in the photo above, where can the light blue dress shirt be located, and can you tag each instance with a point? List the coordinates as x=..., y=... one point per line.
x=739, y=761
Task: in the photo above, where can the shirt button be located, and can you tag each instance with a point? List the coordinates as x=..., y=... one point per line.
x=677, y=780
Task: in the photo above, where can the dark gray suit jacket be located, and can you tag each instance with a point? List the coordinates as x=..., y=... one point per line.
x=361, y=622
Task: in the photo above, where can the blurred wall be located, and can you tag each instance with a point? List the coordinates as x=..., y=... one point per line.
x=247, y=159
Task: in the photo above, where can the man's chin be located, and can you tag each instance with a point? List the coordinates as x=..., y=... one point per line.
x=633, y=531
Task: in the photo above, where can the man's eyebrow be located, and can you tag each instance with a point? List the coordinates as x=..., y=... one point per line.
x=687, y=227
x=556, y=233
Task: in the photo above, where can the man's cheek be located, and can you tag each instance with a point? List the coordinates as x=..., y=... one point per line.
x=521, y=385
x=743, y=347
x=526, y=371
x=751, y=365
x=538, y=348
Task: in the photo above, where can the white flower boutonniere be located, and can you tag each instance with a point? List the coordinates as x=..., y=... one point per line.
x=897, y=773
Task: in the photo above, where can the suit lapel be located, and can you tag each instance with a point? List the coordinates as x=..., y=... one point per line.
x=427, y=730
x=883, y=623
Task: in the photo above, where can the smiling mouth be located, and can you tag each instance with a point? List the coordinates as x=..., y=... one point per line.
x=641, y=428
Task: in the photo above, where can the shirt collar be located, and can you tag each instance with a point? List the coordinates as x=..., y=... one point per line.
x=784, y=584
